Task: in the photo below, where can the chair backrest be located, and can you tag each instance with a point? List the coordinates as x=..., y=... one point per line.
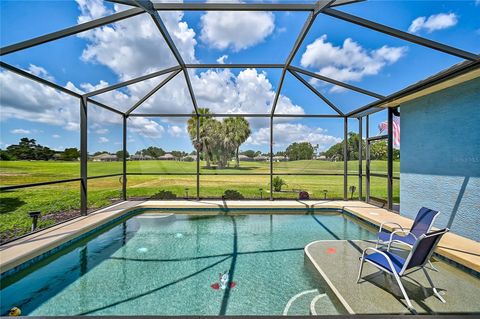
x=423, y=222
x=423, y=249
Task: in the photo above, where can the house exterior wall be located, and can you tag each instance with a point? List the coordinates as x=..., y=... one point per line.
x=440, y=157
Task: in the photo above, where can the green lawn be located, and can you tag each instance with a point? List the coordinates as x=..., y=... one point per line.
x=61, y=201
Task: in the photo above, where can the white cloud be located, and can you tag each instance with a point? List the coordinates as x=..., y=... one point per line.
x=434, y=22
x=102, y=131
x=287, y=133
x=248, y=92
x=25, y=99
x=349, y=62
x=56, y=136
x=236, y=30
x=222, y=59
x=103, y=140
x=20, y=131
x=134, y=46
x=145, y=127
x=176, y=131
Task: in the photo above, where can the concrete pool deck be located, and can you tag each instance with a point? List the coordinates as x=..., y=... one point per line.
x=337, y=262
x=464, y=251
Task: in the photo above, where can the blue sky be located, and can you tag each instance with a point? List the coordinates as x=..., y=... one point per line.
x=131, y=48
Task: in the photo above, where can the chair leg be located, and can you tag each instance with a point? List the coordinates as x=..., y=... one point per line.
x=432, y=266
x=435, y=291
x=409, y=303
x=362, y=261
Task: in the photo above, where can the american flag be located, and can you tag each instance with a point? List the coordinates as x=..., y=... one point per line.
x=383, y=127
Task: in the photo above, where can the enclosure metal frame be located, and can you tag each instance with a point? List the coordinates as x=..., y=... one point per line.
x=322, y=7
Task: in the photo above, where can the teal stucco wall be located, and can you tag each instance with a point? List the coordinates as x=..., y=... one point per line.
x=440, y=157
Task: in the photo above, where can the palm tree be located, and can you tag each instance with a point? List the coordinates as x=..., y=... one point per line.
x=241, y=129
x=205, y=136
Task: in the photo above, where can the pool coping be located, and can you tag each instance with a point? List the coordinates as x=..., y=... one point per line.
x=21, y=253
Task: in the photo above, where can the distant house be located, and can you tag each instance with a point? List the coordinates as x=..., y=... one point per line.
x=105, y=157
x=261, y=158
x=141, y=157
x=280, y=158
x=189, y=158
x=321, y=158
x=167, y=157
x=57, y=157
x=244, y=158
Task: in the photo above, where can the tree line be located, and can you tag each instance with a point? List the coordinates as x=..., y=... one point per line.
x=378, y=149
x=28, y=149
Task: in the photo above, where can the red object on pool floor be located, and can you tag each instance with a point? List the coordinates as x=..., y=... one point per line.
x=331, y=251
x=216, y=285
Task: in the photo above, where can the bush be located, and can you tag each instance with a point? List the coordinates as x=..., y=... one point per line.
x=232, y=194
x=278, y=183
x=164, y=195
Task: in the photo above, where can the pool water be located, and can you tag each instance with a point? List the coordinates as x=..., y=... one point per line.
x=153, y=264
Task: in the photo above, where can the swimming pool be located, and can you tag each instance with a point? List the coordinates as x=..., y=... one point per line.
x=181, y=264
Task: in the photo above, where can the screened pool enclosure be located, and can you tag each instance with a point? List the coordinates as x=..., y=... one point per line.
x=196, y=176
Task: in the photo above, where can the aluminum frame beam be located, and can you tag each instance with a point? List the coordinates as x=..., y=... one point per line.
x=152, y=92
x=234, y=66
x=236, y=115
x=83, y=156
x=400, y=34
x=319, y=6
x=241, y=6
x=148, y=6
x=390, y=160
x=320, y=95
x=448, y=74
x=70, y=31
x=38, y=79
x=54, y=85
x=345, y=158
x=124, y=158
x=336, y=82
x=111, y=109
x=133, y=81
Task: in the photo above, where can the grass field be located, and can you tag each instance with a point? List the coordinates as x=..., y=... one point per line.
x=60, y=201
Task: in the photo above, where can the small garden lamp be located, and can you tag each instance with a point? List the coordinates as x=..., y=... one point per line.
x=34, y=216
x=261, y=192
x=352, y=190
x=325, y=191
x=186, y=192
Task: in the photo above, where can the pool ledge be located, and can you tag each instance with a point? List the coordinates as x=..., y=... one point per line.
x=337, y=262
x=456, y=248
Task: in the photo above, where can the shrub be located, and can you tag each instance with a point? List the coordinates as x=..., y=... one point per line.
x=232, y=194
x=278, y=183
x=164, y=195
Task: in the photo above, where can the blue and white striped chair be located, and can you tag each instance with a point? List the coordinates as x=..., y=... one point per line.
x=397, y=266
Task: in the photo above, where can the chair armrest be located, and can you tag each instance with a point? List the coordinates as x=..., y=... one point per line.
x=390, y=264
x=398, y=231
x=391, y=223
